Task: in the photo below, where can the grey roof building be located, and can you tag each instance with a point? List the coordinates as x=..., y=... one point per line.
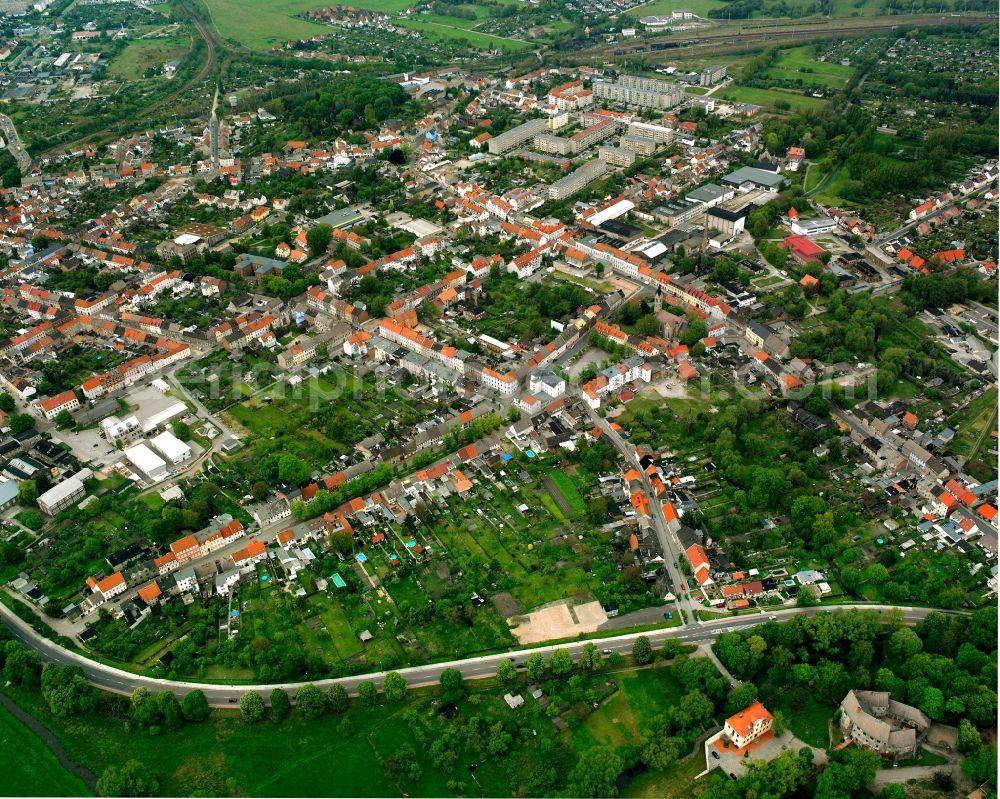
x=758, y=178
x=873, y=720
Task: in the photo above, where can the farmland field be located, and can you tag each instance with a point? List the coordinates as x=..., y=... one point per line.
x=261, y=24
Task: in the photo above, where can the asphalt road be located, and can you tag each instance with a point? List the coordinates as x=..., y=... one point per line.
x=119, y=681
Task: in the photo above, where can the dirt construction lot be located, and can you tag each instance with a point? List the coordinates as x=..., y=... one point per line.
x=558, y=621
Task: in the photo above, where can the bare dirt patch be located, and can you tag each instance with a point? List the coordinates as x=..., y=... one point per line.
x=506, y=605
x=558, y=621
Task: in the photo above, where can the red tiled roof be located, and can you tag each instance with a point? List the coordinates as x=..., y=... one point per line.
x=742, y=723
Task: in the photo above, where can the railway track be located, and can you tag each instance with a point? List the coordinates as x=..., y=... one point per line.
x=746, y=34
x=164, y=102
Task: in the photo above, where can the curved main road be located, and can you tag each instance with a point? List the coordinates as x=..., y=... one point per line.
x=119, y=681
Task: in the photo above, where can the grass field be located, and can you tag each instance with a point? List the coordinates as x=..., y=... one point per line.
x=34, y=770
x=261, y=24
x=567, y=488
x=677, y=782
x=814, y=177
x=143, y=54
x=448, y=30
x=768, y=97
x=582, y=281
x=388, y=6
x=841, y=8
x=808, y=722
x=619, y=721
x=797, y=63
x=699, y=7
x=974, y=423
x=294, y=758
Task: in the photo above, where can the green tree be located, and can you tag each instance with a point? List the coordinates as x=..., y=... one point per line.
x=741, y=697
x=20, y=422
x=394, y=686
x=695, y=710
x=252, y=707
x=498, y=740
x=902, y=645
x=595, y=773
x=734, y=651
x=848, y=776
x=27, y=494
x=64, y=419
x=292, y=469
x=535, y=666
x=642, y=650
x=452, y=685
x=336, y=698
x=561, y=662
x=807, y=597
x=259, y=490
x=195, y=706
x=932, y=703
x=22, y=667
x=982, y=766
x=131, y=778
x=169, y=709
x=832, y=681
x=318, y=238
x=506, y=671
x=310, y=702
x=969, y=740
x=182, y=430
x=6, y=402
x=367, y=693
x=660, y=751
x=671, y=649
x=66, y=690
x=281, y=705
x=590, y=658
